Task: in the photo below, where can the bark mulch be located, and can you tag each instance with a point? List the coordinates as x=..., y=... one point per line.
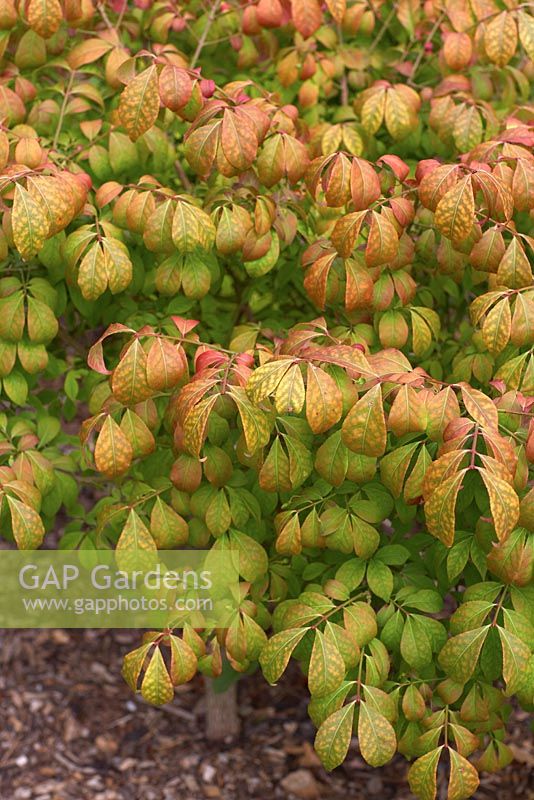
x=70, y=729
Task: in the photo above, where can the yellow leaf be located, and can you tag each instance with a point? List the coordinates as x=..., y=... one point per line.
x=327, y=668
x=500, y=38
x=364, y=428
x=129, y=380
x=480, y=407
x=192, y=228
x=277, y=652
x=459, y=656
x=334, y=735
x=265, y=379
x=195, y=424
x=337, y=8
x=113, y=451
x=57, y=199
x=156, y=687
x=526, y=32
x=92, y=273
x=376, y=736
x=30, y=223
x=455, y=211
x=139, y=103
x=324, y=401
x=497, y=326
x=382, y=242
x=290, y=392
x=373, y=110
x=407, y=414
x=239, y=139
x=422, y=775
x=255, y=423
x=27, y=526
x=118, y=264
x=44, y=17
x=441, y=409
x=168, y=529
x=184, y=662
x=440, y=508
x=463, y=779
x=504, y=503
x=399, y=121
x=514, y=269
x=136, y=549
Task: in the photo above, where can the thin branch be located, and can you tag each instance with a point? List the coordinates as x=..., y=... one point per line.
x=202, y=41
x=378, y=38
x=417, y=62
x=344, y=82
x=66, y=97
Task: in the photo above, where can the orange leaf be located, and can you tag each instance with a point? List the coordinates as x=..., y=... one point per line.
x=139, y=103
x=364, y=428
x=324, y=402
x=113, y=451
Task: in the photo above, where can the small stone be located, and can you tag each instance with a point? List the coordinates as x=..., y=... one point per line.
x=60, y=636
x=191, y=783
x=301, y=783
x=21, y=761
x=291, y=727
x=107, y=745
x=208, y=773
x=127, y=763
x=309, y=757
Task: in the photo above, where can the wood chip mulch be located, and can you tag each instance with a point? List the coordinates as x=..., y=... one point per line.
x=70, y=729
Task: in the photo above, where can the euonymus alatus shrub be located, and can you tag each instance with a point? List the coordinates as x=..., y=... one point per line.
x=298, y=238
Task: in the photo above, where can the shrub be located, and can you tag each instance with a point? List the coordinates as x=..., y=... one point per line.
x=300, y=236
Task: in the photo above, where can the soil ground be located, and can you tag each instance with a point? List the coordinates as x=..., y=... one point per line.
x=70, y=729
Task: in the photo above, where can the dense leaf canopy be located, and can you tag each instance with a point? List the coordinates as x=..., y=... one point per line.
x=275, y=259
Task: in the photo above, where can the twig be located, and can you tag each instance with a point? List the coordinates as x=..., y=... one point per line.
x=186, y=183
x=63, y=109
x=383, y=29
x=104, y=16
x=202, y=41
x=417, y=62
x=344, y=82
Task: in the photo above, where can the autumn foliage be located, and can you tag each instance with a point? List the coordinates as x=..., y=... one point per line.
x=277, y=255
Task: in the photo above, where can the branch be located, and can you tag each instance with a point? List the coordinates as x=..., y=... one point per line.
x=202, y=41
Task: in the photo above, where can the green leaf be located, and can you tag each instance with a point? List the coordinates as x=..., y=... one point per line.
x=380, y=579
x=136, y=549
x=415, y=645
x=30, y=223
x=333, y=737
x=515, y=658
x=133, y=663
x=139, y=103
x=156, y=687
x=183, y=661
x=463, y=779
x=460, y=655
x=423, y=773
x=276, y=654
x=364, y=428
x=376, y=736
x=28, y=528
x=327, y=668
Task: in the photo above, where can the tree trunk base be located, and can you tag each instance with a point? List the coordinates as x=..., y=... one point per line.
x=222, y=719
